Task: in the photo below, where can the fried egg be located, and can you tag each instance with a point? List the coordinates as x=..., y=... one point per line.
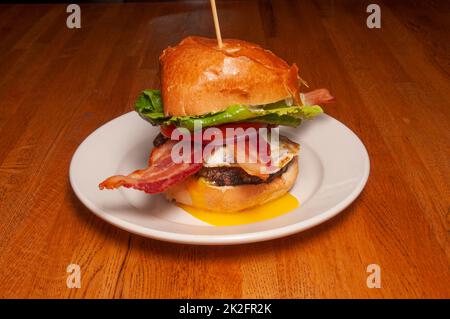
x=281, y=153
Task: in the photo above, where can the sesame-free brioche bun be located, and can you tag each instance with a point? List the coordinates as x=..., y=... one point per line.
x=197, y=77
x=198, y=193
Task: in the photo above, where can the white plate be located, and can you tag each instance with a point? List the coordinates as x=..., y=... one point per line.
x=334, y=167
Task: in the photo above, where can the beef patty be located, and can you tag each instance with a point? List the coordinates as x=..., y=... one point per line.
x=232, y=176
x=159, y=140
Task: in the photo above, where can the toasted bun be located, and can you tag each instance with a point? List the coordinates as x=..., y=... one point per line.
x=198, y=193
x=198, y=78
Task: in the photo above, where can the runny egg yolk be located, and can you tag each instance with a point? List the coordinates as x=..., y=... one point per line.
x=272, y=209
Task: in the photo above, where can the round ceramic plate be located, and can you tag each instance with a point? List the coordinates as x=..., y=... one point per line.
x=334, y=167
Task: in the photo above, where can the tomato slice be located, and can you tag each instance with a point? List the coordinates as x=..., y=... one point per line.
x=167, y=130
x=243, y=125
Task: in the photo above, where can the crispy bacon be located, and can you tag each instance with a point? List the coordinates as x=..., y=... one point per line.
x=257, y=158
x=259, y=169
x=320, y=96
x=161, y=173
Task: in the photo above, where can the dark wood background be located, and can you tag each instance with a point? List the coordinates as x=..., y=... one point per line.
x=392, y=88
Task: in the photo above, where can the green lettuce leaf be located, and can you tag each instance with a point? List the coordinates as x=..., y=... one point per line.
x=149, y=106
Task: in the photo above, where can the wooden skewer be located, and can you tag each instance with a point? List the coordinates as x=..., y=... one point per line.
x=216, y=23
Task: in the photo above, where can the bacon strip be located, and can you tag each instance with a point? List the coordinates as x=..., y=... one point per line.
x=257, y=158
x=320, y=96
x=161, y=173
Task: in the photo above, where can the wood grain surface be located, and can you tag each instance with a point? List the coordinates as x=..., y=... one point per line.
x=393, y=89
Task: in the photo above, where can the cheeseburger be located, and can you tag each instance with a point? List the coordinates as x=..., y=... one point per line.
x=239, y=86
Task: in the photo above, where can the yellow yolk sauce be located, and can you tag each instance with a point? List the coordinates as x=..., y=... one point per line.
x=272, y=209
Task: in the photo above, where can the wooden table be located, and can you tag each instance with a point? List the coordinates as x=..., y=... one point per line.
x=392, y=86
